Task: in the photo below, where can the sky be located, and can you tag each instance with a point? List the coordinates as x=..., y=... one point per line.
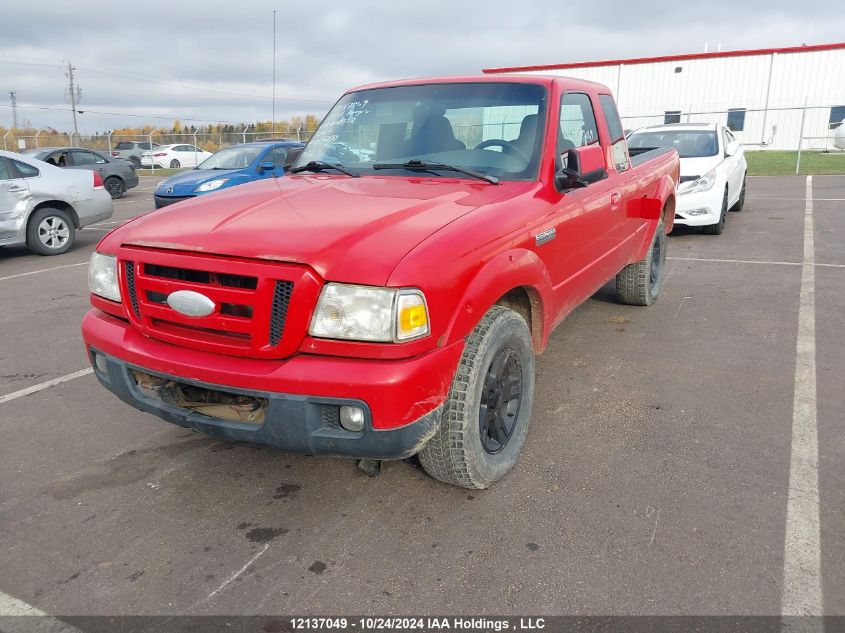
x=153, y=61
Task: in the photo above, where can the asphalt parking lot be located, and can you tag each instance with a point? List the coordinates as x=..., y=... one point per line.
x=654, y=479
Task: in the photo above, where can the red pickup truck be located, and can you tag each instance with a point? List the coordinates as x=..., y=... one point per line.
x=388, y=296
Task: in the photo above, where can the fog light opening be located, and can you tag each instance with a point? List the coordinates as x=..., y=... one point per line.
x=352, y=418
x=100, y=363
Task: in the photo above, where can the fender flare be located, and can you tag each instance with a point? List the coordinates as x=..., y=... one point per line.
x=515, y=268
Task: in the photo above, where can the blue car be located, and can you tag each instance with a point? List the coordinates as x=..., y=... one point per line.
x=229, y=167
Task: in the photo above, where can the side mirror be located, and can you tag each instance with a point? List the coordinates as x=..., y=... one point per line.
x=267, y=166
x=293, y=154
x=584, y=166
x=732, y=148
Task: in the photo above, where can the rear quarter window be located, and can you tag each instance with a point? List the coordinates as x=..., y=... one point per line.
x=24, y=170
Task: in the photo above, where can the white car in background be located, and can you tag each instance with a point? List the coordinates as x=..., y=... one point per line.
x=174, y=156
x=713, y=170
x=42, y=206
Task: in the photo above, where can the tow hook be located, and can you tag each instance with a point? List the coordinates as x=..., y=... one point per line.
x=370, y=466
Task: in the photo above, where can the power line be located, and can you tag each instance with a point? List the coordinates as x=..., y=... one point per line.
x=124, y=114
x=167, y=82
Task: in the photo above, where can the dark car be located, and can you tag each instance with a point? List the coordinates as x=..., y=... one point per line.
x=118, y=174
x=231, y=166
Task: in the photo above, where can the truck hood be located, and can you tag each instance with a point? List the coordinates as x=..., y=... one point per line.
x=347, y=229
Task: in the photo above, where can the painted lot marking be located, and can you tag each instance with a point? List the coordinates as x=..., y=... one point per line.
x=10, y=606
x=45, y=385
x=44, y=270
x=802, y=586
x=751, y=261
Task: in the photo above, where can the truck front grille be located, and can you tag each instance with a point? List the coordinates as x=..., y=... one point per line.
x=261, y=308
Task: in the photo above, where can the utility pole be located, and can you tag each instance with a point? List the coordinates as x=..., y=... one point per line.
x=74, y=94
x=14, y=99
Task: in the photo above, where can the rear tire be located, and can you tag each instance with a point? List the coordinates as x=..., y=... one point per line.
x=741, y=202
x=175, y=164
x=50, y=232
x=115, y=187
x=639, y=284
x=719, y=227
x=485, y=418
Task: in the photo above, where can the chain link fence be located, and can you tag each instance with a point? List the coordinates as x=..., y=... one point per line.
x=797, y=129
x=109, y=143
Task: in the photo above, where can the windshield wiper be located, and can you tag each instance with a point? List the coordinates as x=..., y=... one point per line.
x=427, y=165
x=321, y=165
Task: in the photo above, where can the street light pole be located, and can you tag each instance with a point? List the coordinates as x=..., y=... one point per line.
x=273, y=125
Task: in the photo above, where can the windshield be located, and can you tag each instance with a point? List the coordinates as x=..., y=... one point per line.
x=492, y=128
x=689, y=143
x=125, y=145
x=231, y=158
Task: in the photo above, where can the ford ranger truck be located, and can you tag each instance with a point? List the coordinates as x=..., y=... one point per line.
x=393, y=303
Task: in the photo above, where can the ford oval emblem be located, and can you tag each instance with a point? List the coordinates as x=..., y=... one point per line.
x=190, y=303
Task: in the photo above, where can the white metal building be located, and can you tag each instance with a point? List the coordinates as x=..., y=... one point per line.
x=763, y=95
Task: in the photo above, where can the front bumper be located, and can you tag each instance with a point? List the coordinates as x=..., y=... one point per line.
x=699, y=209
x=163, y=201
x=401, y=398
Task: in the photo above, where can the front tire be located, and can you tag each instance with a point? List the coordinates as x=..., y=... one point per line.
x=175, y=164
x=485, y=418
x=719, y=227
x=639, y=284
x=115, y=187
x=741, y=202
x=50, y=232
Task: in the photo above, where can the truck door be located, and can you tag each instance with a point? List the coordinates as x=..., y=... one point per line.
x=619, y=170
x=585, y=217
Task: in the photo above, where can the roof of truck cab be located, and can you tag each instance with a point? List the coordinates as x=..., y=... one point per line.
x=544, y=80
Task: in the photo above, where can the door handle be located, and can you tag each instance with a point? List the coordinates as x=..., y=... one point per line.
x=16, y=189
x=614, y=198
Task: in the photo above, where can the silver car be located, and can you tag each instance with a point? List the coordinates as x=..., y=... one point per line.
x=42, y=206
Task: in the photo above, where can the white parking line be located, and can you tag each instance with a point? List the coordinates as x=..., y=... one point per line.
x=750, y=261
x=10, y=606
x=45, y=385
x=802, y=585
x=43, y=270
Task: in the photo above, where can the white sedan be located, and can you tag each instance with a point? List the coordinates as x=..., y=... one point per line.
x=174, y=156
x=713, y=170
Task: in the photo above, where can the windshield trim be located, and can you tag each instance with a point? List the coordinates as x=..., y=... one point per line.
x=542, y=131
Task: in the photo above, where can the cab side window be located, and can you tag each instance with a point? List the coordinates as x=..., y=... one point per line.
x=577, y=122
x=618, y=144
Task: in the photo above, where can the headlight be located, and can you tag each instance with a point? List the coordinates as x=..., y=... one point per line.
x=702, y=183
x=102, y=276
x=211, y=185
x=368, y=313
